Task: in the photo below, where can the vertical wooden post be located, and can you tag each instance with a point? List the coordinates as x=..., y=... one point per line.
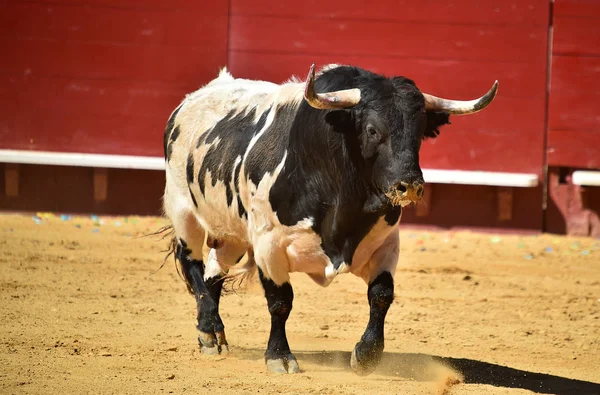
x=11, y=179
x=100, y=184
x=505, y=203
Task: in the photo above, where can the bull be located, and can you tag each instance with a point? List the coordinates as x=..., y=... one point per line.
x=300, y=177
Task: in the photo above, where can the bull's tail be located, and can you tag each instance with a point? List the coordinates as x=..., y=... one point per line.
x=165, y=232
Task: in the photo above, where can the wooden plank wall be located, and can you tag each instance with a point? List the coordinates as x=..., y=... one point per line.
x=449, y=49
x=574, y=111
x=103, y=75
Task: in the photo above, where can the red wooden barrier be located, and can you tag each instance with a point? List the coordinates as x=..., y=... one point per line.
x=573, y=114
x=574, y=117
x=102, y=76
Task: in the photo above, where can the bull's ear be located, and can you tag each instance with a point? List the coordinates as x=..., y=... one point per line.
x=435, y=120
x=340, y=120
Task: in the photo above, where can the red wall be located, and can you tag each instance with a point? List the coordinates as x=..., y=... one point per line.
x=103, y=75
x=574, y=101
x=574, y=117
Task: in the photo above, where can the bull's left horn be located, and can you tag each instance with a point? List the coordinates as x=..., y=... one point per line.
x=330, y=100
x=460, y=107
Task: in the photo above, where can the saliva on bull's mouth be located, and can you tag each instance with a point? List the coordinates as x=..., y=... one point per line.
x=394, y=196
x=402, y=196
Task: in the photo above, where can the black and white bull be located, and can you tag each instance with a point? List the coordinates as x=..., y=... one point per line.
x=302, y=182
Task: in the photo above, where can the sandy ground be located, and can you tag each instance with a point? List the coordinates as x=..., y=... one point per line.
x=84, y=310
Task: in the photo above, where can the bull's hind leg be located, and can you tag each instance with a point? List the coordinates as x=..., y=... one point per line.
x=190, y=241
x=278, y=356
x=220, y=257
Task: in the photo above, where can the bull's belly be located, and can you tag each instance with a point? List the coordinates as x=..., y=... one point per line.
x=280, y=250
x=221, y=221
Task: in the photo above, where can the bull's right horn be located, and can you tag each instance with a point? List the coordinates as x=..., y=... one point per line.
x=460, y=107
x=330, y=100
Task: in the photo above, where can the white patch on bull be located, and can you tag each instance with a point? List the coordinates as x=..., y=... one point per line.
x=212, y=268
x=222, y=259
x=258, y=135
x=224, y=75
x=331, y=272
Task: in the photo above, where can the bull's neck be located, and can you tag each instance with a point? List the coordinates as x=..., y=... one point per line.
x=332, y=157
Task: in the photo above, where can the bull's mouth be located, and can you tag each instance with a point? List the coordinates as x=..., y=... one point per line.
x=401, y=196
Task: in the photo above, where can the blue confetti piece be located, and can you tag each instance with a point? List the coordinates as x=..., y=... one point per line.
x=94, y=217
x=528, y=257
x=585, y=252
x=66, y=217
x=95, y=230
x=548, y=249
x=36, y=219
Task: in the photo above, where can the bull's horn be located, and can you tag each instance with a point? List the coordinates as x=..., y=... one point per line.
x=329, y=100
x=460, y=107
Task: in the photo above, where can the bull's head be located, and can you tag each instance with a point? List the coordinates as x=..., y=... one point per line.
x=385, y=120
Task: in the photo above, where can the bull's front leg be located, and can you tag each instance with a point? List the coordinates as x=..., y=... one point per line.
x=278, y=357
x=368, y=351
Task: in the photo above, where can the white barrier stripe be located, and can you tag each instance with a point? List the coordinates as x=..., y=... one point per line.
x=434, y=176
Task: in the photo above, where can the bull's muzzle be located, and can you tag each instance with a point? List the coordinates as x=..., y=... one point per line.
x=405, y=193
x=412, y=191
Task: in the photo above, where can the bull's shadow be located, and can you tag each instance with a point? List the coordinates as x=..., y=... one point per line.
x=418, y=367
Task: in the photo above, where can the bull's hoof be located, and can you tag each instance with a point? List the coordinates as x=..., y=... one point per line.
x=212, y=344
x=287, y=364
x=365, y=359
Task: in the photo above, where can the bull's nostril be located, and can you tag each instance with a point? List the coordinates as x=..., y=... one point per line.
x=401, y=187
x=420, y=191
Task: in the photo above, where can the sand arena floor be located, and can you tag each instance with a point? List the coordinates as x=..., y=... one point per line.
x=84, y=310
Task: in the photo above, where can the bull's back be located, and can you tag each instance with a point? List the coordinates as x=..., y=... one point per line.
x=219, y=144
